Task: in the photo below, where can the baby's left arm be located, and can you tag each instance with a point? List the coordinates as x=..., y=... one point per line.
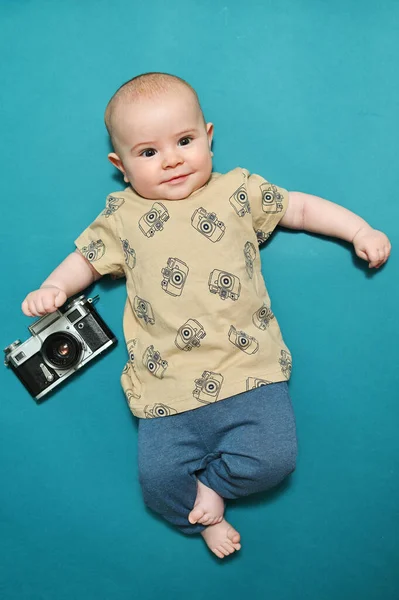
x=312, y=213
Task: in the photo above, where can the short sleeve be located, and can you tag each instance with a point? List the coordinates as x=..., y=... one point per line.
x=101, y=245
x=268, y=204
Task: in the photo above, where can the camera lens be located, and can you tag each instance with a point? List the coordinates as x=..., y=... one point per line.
x=61, y=350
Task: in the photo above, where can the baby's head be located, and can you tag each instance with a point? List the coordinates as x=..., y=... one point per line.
x=161, y=141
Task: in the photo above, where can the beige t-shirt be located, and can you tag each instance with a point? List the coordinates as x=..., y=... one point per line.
x=197, y=321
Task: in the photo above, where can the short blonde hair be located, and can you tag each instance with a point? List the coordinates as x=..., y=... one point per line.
x=147, y=85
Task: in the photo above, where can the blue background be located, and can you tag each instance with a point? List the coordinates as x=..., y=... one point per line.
x=305, y=93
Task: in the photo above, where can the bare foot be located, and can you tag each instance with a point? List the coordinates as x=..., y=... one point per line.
x=208, y=506
x=222, y=538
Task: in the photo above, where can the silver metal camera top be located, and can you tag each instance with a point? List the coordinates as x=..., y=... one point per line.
x=9, y=349
x=80, y=300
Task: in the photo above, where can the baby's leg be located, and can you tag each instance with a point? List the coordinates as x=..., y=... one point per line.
x=256, y=449
x=257, y=444
x=170, y=453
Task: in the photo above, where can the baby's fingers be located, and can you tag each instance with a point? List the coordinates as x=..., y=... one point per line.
x=383, y=255
x=25, y=308
x=60, y=299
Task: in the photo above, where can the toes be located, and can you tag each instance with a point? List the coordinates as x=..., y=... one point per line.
x=206, y=519
x=195, y=516
x=218, y=552
x=223, y=550
x=233, y=536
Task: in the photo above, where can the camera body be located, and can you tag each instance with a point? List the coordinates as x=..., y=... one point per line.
x=240, y=202
x=272, y=200
x=207, y=387
x=143, y=310
x=249, y=255
x=225, y=284
x=174, y=276
x=262, y=317
x=189, y=335
x=208, y=224
x=61, y=343
x=153, y=361
x=154, y=219
x=243, y=341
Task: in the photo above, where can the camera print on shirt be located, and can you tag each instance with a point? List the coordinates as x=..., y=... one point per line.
x=225, y=284
x=152, y=360
x=158, y=410
x=130, y=393
x=113, y=203
x=153, y=220
x=239, y=201
x=249, y=255
x=94, y=251
x=243, y=341
x=131, y=396
x=143, y=310
x=208, y=224
x=207, y=387
x=262, y=317
x=262, y=236
x=285, y=361
x=189, y=335
x=131, y=349
x=130, y=254
x=174, y=276
x=271, y=198
x=254, y=382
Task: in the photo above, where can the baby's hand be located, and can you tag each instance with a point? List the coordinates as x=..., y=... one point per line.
x=372, y=245
x=43, y=301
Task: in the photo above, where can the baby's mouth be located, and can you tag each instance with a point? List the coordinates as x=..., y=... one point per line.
x=177, y=179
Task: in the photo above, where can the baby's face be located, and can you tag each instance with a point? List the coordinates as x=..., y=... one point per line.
x=163, y=145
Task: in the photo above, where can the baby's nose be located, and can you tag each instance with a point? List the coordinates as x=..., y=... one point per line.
x=171, y=159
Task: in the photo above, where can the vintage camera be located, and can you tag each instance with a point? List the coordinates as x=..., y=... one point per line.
x=207, y=388
x=94, y=251
x=189, y=335
x=243, y=341
x=130, y=254
x=154, y=219
x=143, y=310
x=62, y=342
x=208, y=224
x=113, y=204
x=262, y=236
x=254, y=382
x=271, y=198
x=152, y=360
x=262, y=317
x=225, y=284
x=174, y=276
x=239, y=201
x=249, y=255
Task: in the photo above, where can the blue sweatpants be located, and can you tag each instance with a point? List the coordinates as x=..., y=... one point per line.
x=237, y=446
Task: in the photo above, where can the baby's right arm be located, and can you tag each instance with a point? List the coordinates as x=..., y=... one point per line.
x=73, y=275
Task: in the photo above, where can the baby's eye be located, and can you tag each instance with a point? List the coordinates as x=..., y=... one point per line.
x=148, y=152
x=185, y=141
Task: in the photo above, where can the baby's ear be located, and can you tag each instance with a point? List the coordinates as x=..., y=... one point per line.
x=209, y=131
x=116, y=161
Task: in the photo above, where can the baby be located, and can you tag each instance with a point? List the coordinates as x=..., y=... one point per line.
x=208, y=368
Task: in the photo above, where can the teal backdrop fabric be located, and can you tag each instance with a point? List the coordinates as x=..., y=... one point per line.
x=306, y=94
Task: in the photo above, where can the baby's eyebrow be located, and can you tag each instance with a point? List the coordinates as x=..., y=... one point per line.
x=145, y=144
x=186, y=131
